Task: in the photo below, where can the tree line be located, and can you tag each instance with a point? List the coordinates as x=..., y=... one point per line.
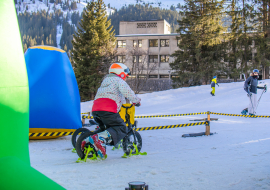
x=224, y=38
x=38, y=28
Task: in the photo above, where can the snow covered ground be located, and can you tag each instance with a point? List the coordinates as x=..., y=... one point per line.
x=236, y=158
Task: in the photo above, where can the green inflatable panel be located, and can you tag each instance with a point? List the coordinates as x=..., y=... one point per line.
x=16, y=172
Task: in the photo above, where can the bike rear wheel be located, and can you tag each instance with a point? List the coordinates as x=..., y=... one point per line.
x=75, y=135
x=81, y=149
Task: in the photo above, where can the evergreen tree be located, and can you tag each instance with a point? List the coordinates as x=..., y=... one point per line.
x=93, y=49
x=201, y=39
x=245, y=39
x=233, y=54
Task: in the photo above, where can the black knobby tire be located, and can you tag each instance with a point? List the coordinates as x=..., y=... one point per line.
x=78, y=147
x=75, y=135
x=129, y=140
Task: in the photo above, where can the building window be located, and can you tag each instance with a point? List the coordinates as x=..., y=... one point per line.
x=174, y=76
x=164, y=58
x=141, y=25
x=134, y=43
x=178, y=42
x=140, y=43
x=153, y=76
x=164, y=76
x=140, y=59
x=134, y=59
x=153, y=43
x=131, y=76
x=142, y=76
x=164, y=43
x=121, y=43
x=153, y=58
x=152, y=25
x=121, y=58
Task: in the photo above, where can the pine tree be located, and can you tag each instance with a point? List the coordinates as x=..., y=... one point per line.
x=245, y=39
x=233, y=54
x=93, y=49
x=201, y=39
x=262, y=38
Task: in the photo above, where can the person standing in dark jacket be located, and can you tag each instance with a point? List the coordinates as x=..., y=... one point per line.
x=250, y=87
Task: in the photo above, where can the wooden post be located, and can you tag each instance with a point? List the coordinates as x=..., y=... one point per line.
x=207, y=125
x=83, y=120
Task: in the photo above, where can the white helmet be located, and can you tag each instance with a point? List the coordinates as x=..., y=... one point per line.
x=119, y=69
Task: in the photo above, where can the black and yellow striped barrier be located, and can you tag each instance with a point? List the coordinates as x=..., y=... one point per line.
x=59, y=134
x=239, y=115
x=152, y=116
x=50, y=134
x=87, y=117
x=170, y=126
x=185, y=114
x=172, y=115
x=86, y=113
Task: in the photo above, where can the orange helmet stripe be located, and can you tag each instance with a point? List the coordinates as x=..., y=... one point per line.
x=116, y=66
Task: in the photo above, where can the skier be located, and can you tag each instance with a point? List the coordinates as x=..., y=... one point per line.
x=213, y=84
x=250, y=87
x=108, y=101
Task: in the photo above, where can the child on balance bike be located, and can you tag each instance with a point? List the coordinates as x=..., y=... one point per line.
x=107, y=103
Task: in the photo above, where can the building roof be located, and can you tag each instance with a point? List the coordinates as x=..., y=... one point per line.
x=145, y=20
x=134, y=35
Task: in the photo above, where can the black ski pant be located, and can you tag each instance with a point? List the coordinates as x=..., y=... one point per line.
x=113, y=123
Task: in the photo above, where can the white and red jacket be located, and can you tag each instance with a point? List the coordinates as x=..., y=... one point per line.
x=112, y=93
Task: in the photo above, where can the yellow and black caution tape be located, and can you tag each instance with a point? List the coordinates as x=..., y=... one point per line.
x=172, y=115
x=50, y=134
x=238, y=115
x=86, y=113
x=170, y=126
x=59, y=134
x=152, y=116
x=87, y=117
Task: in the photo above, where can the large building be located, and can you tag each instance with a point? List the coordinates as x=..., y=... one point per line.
x=146, y=46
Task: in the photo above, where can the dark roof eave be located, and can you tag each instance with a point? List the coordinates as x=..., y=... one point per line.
x=138, y=35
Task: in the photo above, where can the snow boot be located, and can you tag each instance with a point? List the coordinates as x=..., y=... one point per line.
x=99, y=141
x=212, y=94
x=244, y=111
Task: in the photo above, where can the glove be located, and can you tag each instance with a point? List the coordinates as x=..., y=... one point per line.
x=137, y=104
x=265, y=88
x=247, y=90
x=218, y=85
x=249, y=94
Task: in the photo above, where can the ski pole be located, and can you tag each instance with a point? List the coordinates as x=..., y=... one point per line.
x=260, y=98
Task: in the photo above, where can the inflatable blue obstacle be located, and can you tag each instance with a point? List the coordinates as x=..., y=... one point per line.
x=54, y=94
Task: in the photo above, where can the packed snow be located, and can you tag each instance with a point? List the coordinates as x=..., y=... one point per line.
x=236, y=157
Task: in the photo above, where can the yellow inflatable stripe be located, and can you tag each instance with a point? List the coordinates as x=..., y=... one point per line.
x=48, y=48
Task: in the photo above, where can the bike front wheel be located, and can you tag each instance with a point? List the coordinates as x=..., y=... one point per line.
x=128, y=143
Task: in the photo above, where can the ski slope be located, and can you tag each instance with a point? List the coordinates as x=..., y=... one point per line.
x=235, y=158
